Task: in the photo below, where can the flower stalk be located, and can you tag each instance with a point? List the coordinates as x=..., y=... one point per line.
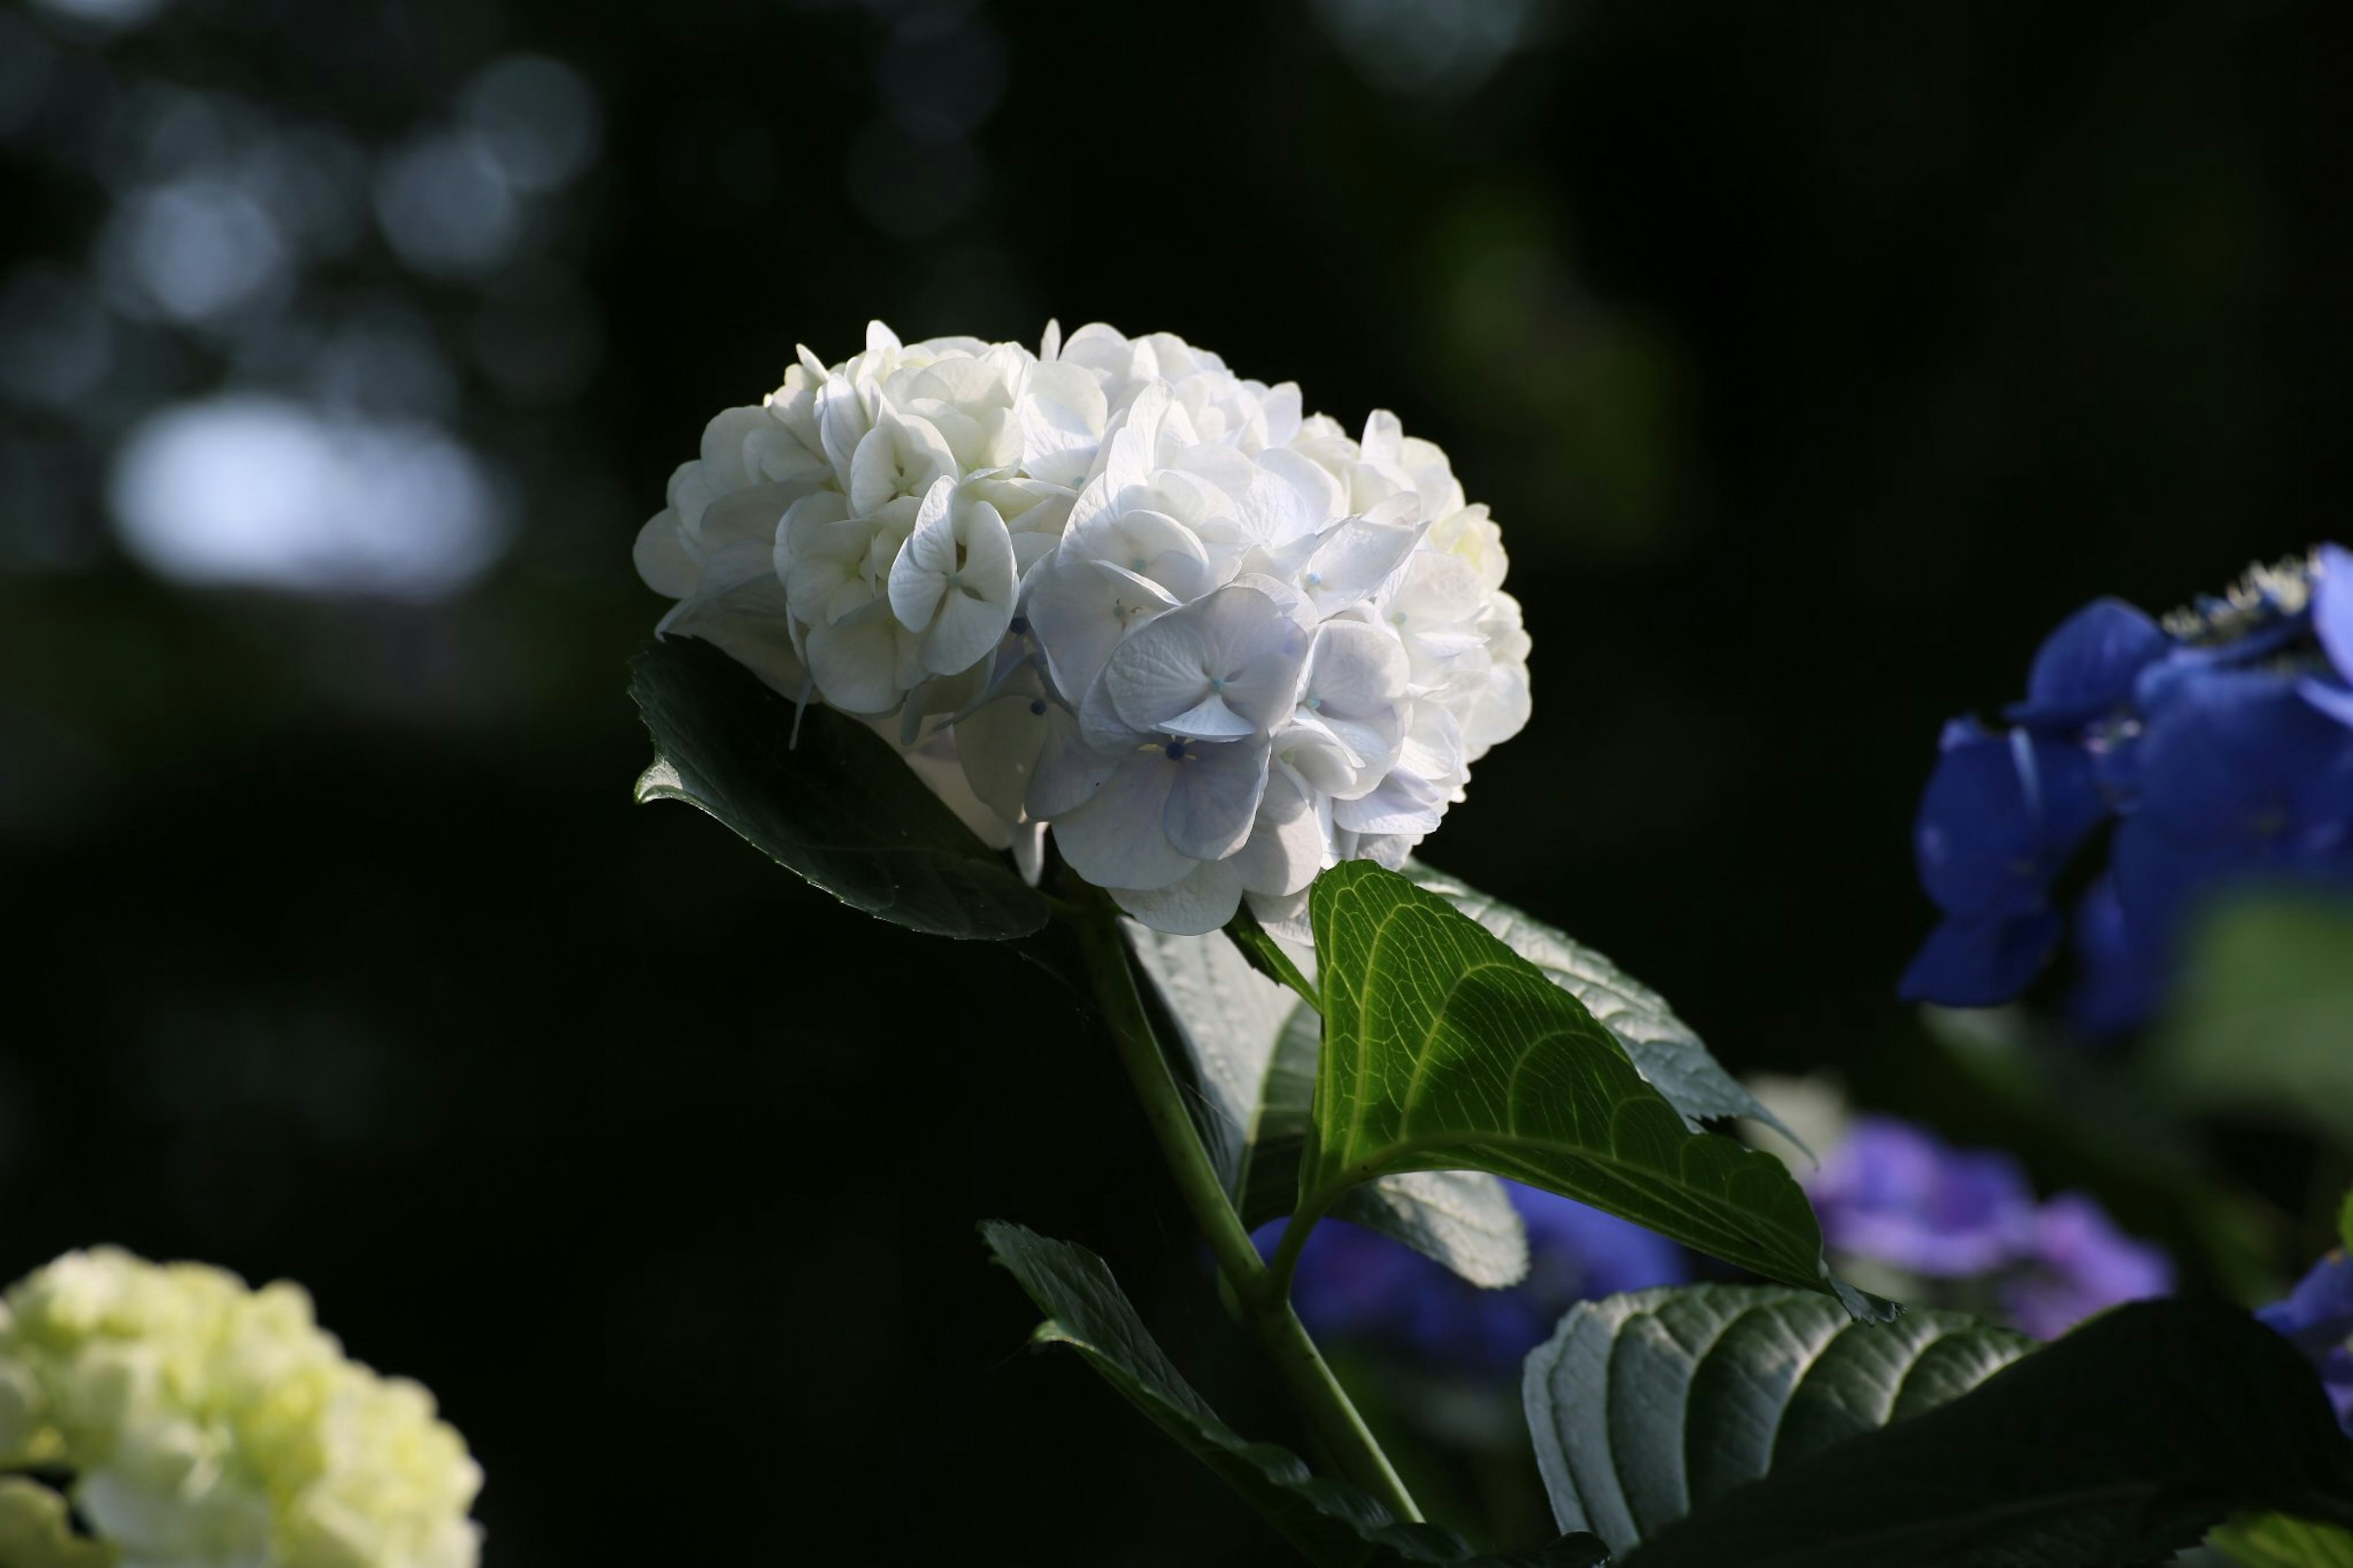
x=1260, y=1294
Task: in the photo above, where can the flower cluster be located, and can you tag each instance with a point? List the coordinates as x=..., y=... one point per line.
x=207, y=1423
x=2319, y=1316
x=2219, y=744
x=1354, y=1283
x=1110, y=587
x=1894, y=1194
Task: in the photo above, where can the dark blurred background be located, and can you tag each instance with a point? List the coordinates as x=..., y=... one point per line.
x=1816, y=358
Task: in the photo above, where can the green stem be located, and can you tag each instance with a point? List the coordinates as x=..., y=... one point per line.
x=1280, y=1268
x=1265, y=1303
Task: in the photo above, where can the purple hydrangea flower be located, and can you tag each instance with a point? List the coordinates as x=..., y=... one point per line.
x=1356, y=1283
x=2079, y=1264
x=2318, y=1315
x=1898, y=1194
x=2219, y=744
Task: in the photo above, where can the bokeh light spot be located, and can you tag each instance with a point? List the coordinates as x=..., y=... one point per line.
x=251, y=490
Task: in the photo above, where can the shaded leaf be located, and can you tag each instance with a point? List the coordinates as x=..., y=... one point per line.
x=2275, y=1541
x=1443, y=1050
x=1666, y=1051
x=2119, y=1444
x=1648, y=1406
x=838, y=806
x=1253, y=1045
x=1330, y=1521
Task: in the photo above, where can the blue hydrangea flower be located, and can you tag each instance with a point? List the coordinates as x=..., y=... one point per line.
x=2001, y=816
x=1356, y=1283
x=2086, y=668
x=2220, y=746
x=1962, y=1223
x=2319, y=1316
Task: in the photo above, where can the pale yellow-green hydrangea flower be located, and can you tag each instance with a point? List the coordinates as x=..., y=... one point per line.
x=210, y=1426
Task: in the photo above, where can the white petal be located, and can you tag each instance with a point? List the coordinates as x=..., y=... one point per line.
x=1080, y=610
x=920, y=574
x=998, y=745
x=661, y=559
x=1069, y=771
x=1221, y=666
x=1213, y=798
x=855, y=663
x=750, y=623
x=1355, y=671
x=842, y=423
x=901, y=455
x=1194, y=905
x=1115, y=839
x=1101, y=726
x=1285, y=917
x=968, y=626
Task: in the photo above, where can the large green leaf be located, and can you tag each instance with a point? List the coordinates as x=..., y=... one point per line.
x=1444, y=1049
x=1666, y=1051
x=2265, y=1013
x=1649, y=1406
x=837, y=803
x=1252, y=1044
x=1330, y=1521
x=2275, y=1541
x=2121, y=1443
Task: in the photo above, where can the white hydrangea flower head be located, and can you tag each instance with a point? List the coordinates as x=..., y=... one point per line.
x=1111, y=589
x=210, y=1426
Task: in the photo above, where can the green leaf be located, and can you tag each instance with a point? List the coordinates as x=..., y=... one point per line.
x=2121, y=1443
x=1253, y=1045
x=1444, y=1049
x=1649, y=1406
x=2344, y=1224
x=838, y=806
x=1330, y=1521
x=1267, y=955
x=2275, y=1541
x=1666, y=1051
x=2261, y=1019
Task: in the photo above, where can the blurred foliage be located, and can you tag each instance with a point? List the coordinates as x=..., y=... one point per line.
x=2263, y=1024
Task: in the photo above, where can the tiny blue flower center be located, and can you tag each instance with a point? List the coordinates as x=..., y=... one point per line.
x=1176, y=751
x=1217, y=683
x=1038, y=706
x=1137, y=565
x=1315, y=704
x=1313, y=579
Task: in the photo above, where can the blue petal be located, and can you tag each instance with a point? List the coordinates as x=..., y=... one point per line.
x=2000, y=817
x=2239, y=757
x=2318, y=1314
x=1980, y=962
x=2123, y=979
x=2332, y=606
x=1577, y=1252
x=2335, y=700
x=2087, y=667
